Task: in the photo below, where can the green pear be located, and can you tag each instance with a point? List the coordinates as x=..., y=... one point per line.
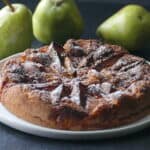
x=15, y=29
x=57, y=20
x=129, y=27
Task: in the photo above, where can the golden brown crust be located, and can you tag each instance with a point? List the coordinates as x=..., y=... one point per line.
x=85, y=86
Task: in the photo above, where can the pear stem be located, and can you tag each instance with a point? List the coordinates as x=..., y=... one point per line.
x=7, y=2
x=59, y=2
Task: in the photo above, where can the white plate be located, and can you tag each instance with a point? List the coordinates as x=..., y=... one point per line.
x=12, y=121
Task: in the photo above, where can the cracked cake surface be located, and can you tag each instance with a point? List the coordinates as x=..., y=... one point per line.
x=84, y=85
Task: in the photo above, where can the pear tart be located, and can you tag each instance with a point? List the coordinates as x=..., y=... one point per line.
x=84, y=85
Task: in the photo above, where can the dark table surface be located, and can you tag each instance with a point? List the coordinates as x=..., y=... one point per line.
x=93, y=12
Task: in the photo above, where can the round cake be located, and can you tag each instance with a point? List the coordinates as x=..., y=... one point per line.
x=84, y=85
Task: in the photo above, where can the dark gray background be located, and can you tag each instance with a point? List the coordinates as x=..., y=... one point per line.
x=94, y=12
